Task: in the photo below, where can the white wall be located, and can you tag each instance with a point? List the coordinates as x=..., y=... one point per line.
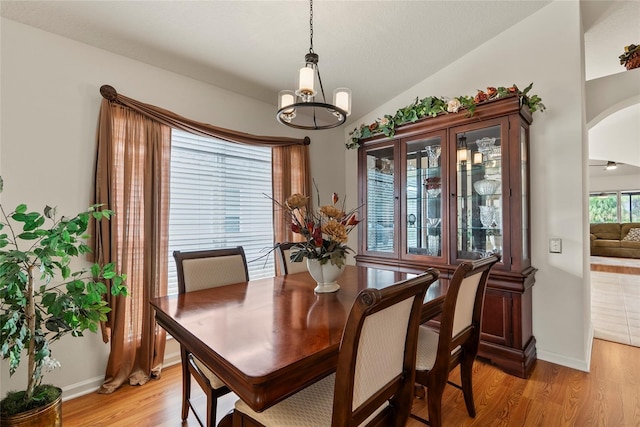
x=616, y=137
x=545, y=49
x=50, y=103
x=614, y=183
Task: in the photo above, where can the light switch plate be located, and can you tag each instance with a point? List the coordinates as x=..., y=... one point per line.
x=555, y=245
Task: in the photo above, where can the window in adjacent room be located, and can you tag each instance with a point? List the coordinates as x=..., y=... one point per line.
x=615, y=206
x=220, y=197
x=630, y=206
x=603, y=207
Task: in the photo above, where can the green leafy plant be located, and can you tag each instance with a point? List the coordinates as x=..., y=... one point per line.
x=432, y=106
x=41, y=299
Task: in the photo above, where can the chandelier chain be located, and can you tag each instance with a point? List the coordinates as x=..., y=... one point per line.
x=322, y=114
x=311, y=26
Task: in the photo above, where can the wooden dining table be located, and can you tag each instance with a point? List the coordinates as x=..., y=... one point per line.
x=269, y=338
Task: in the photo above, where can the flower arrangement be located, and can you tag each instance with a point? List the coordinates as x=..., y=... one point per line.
x=432, y=106
x=631, y=56
x=325, y=231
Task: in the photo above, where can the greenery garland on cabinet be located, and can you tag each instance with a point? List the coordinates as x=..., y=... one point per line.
x=432, y=106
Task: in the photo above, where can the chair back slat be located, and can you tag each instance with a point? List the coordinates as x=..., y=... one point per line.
x=386, y=329
x=284, y=265
x=199, y=270
x=463, y=315
x=204, y=273
x=462, y=308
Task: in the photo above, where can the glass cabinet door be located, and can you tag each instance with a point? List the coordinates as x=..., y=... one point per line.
x=479, y=198
x=381, y=203
x=423, y=205
x=520, y=253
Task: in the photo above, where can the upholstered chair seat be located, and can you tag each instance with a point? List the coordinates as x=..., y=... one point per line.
x=215, y=382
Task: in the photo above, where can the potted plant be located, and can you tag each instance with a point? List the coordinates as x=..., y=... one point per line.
x=631, y=57
x=42, y=299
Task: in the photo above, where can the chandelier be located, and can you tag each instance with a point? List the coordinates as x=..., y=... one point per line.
x=303, y=109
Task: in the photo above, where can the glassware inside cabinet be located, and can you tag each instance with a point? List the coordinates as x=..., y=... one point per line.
x=380, y=200
x=479, y=191
x=424, y=197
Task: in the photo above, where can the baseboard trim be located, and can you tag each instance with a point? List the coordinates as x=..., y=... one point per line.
x=171, y=359
x=569, y=362
x=93, y=384
x=589, y=347
x=81, y=388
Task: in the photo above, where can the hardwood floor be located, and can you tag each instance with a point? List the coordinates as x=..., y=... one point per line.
x=554, y=396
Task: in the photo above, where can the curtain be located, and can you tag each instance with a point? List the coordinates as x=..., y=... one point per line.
x=290, y=175
x=178, y=122
x=132, y=179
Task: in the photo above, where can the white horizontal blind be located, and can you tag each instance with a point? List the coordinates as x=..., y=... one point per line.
x=380, y=211
x=220, y=198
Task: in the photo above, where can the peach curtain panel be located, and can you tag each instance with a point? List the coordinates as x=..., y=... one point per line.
x=132, y=179
x=290, y=175
x=178, y=122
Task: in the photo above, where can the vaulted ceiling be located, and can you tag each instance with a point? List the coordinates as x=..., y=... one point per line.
x=375, y=48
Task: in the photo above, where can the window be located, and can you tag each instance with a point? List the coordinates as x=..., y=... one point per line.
x=603, y=207
x=630, y=206
x=220, y=197
x=621, y=206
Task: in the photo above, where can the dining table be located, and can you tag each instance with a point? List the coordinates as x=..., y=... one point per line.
x=268, y=338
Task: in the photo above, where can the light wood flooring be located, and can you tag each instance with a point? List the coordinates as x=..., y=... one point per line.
x=554, y=396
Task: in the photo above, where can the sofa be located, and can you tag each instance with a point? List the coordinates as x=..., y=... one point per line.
x=616, y=240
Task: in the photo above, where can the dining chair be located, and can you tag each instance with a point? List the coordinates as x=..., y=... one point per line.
x=284, y=265
x=202, y=270
x=374, y=380
x=456, y=341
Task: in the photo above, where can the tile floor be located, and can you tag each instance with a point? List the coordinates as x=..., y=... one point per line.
x=615, y=301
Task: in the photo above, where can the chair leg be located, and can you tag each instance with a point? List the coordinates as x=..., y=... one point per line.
x=466, y=375
x=212, y=403
x=186, y=384
x=434, y=403
x=418, y=391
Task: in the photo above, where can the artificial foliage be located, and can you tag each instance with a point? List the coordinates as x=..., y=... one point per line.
x=432, y=106
x=629, y=52
x=325, y=230
x=41, y=298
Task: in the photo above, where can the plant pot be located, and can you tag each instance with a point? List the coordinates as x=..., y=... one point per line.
x=45, y=416
x=325, y=275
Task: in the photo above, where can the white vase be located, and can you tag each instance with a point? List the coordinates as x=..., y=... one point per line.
x=325, y=275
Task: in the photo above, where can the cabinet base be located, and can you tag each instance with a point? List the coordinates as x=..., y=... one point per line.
x=511, y=360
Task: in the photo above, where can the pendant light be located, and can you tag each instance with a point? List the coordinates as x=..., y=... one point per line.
x=303, y=108
x=462, y=149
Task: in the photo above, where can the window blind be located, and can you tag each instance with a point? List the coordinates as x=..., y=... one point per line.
x=220, y=197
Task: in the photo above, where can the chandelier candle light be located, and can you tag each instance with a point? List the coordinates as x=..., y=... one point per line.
x=301, y=109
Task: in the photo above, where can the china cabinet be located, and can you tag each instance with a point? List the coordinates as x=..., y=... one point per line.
x=452, y=188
